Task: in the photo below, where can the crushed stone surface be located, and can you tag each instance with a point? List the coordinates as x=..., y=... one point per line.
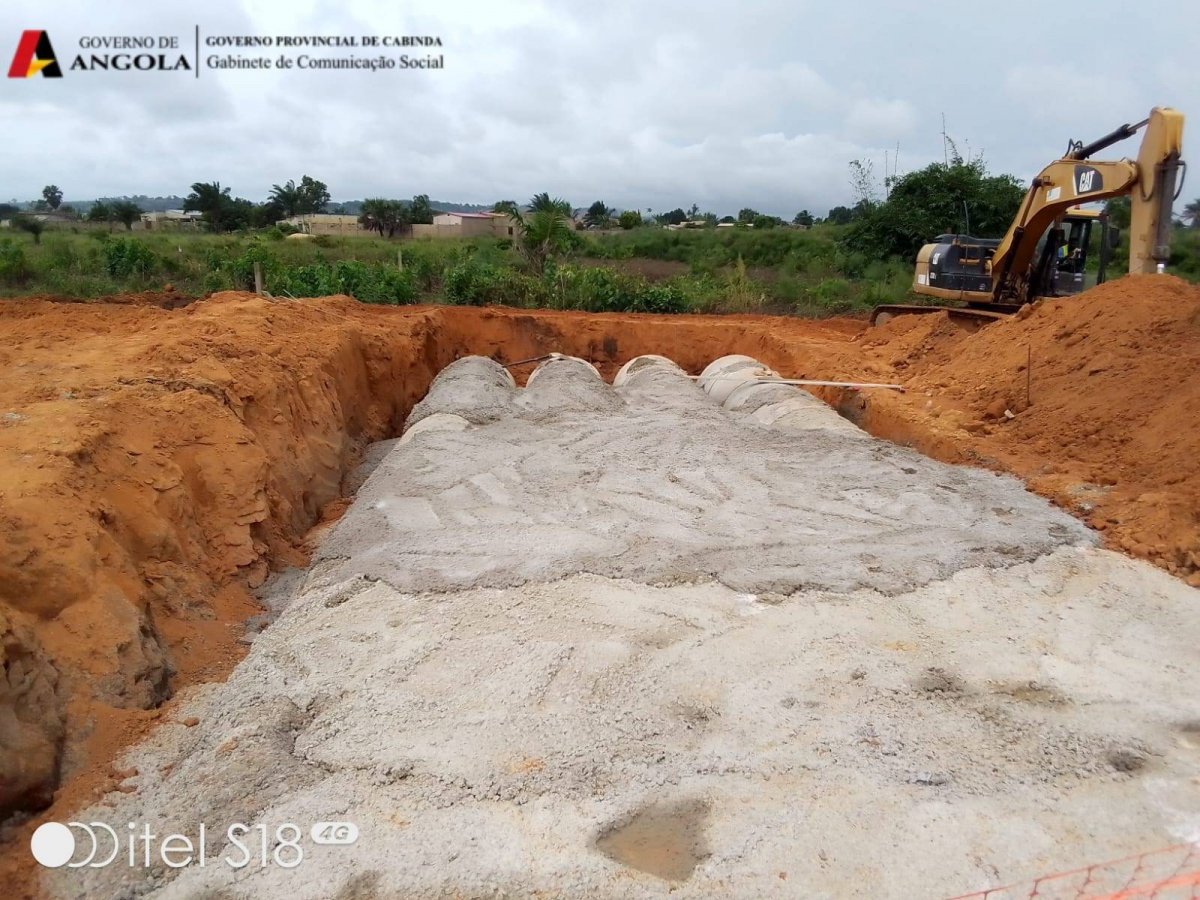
x=985, y=727
x=625, y=643
x=655, y=482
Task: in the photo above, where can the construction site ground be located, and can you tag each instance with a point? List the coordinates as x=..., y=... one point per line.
x=585, y=640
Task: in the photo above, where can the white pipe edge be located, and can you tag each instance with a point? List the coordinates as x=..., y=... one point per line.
x=554, y=360
x=436, y=422
x=647, y=362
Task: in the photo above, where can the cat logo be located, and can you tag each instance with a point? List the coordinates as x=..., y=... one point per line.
x=1088, y=180
x=34, y=55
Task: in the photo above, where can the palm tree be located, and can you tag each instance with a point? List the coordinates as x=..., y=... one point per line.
x=385, y=216
x=543, y=203
x=126, y=213
x=372, y=214
x=598, y=215
x=287, y=197
x=543, y=233
x=1191, y=214
x=419, y=212
x=53, y=195
x=210, y=200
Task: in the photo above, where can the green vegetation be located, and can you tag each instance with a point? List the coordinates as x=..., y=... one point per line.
x=390, y=217
x=958, y=197
x=548, y=265
x=858, y=257
x=812, y=272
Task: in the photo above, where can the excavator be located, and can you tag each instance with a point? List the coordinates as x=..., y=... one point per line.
x=1045, y=252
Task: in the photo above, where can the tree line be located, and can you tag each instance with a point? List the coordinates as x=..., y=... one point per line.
x=221, y=211
x=958, y=195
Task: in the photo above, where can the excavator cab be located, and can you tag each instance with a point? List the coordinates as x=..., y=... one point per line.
x=1063, y=250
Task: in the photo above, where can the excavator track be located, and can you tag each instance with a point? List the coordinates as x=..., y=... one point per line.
x=882, y=314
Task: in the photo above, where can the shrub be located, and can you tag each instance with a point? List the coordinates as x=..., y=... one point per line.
x=125, y=257
x=13, y=267
x=470, y=283
x=833, y=293
x=606, y=290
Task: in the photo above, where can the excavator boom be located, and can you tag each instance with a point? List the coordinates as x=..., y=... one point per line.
x=1161, y=168
x=1150, y=182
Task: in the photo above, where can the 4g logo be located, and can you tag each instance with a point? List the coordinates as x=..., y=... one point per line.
x=334, y=833
x=35, y=55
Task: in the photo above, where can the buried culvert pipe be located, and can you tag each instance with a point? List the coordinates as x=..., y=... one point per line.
x=640, y=365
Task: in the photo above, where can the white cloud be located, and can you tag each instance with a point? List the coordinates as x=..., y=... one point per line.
x=880, y=121
x=641, y=104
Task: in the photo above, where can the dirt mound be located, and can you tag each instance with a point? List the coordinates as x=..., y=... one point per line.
x=151, y=463
x=1094, y=399
x=167, y=298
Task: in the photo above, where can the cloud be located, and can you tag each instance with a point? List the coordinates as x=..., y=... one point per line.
x=640, y=104
x=880, y=121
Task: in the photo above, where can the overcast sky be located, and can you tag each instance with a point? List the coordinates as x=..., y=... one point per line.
x=651, y=103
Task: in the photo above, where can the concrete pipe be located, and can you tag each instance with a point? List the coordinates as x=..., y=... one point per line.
x=748, y=396
x=733, y=382
x=639, y=365
x=476, y=388
x=804, y=411
x=561, y=360
x=565, y=385
x=435, y=422
x=721, y=365
x=723, y=383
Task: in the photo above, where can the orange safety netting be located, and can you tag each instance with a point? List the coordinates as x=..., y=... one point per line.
x=1172, y=873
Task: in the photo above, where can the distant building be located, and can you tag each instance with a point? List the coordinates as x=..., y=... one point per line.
x=466, y=225
x=170, y=219
x=326, y=223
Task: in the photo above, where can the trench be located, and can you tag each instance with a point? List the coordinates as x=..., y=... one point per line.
x=165, y=567
x=754, y=490
x=306, y=432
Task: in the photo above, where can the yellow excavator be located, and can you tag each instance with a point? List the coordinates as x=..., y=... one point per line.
x=1045, y=252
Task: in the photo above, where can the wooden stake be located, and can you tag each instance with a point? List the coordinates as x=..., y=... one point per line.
x=258, y=284
x=1028, y=373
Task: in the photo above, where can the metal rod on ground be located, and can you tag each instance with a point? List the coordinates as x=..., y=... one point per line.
x=521, y=362
x=852, y=385
x=1028, y=372
x=258, y=285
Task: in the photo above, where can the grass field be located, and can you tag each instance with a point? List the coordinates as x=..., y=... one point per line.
x=647, y=269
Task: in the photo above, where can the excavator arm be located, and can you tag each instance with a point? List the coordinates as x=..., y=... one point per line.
x=1150, y=182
